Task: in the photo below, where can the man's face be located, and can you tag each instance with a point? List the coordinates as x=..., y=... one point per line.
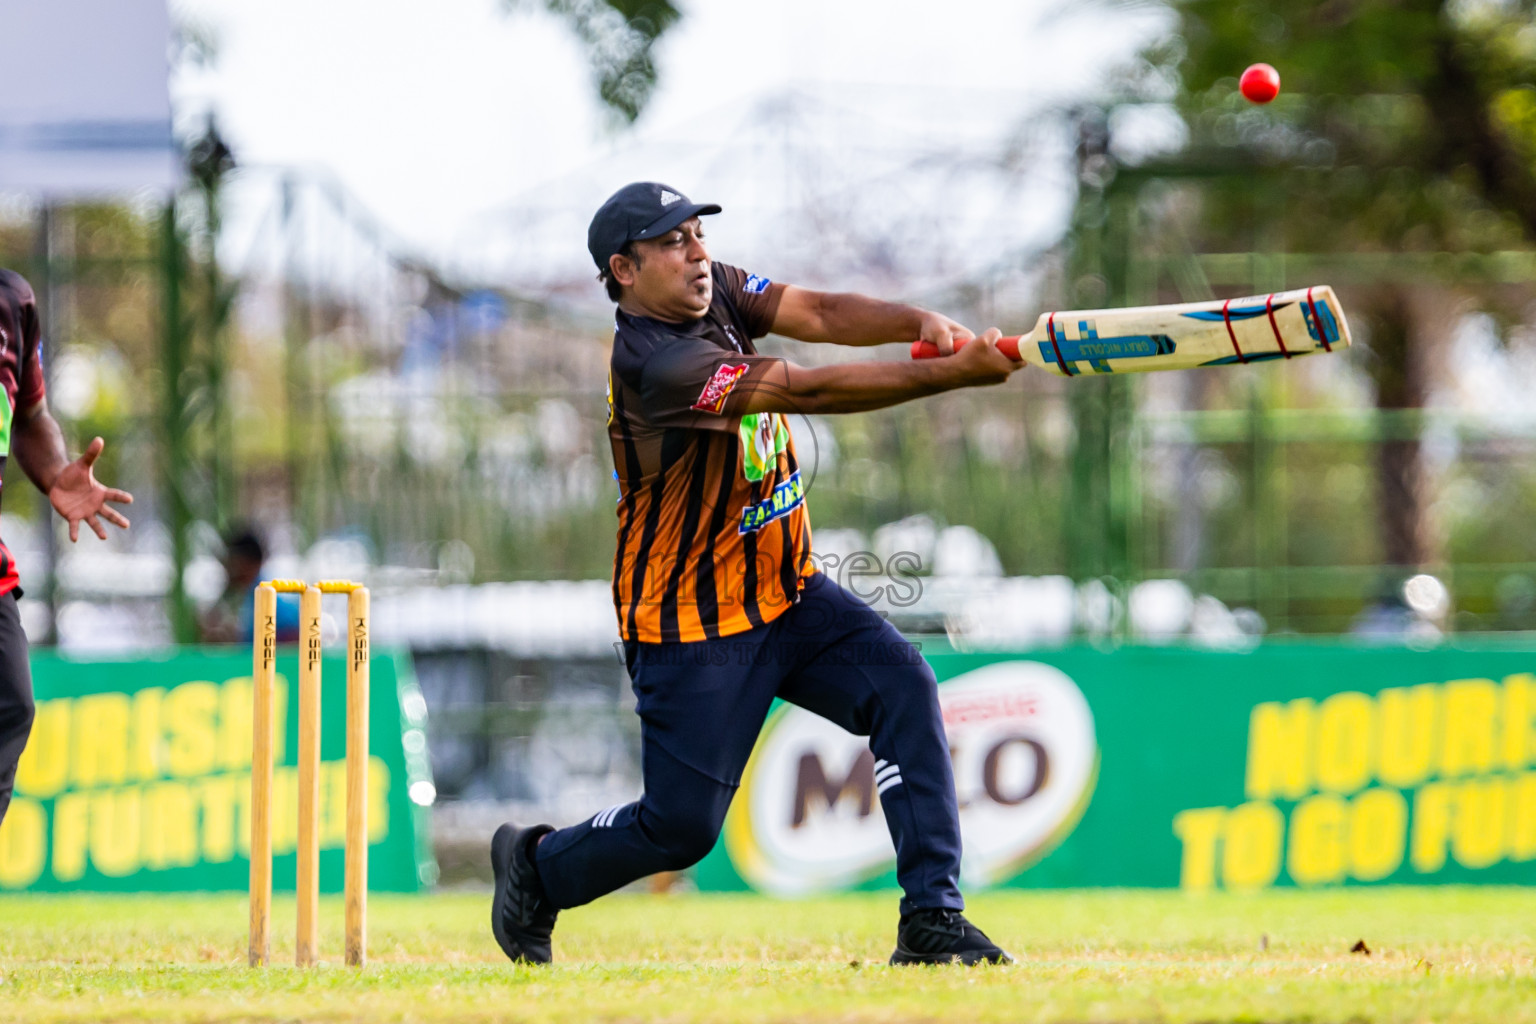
x=668, y=278
x=241, y=569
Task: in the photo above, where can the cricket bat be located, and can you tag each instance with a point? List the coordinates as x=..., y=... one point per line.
x=1222, y=332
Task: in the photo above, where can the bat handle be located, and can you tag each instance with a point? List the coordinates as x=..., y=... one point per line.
x=928, y=350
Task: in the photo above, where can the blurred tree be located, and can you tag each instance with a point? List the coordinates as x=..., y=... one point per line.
x=1403, y=125
x=619, y=36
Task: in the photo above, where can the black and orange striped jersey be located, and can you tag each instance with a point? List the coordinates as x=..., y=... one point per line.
x=714, y=537
x=21, y=377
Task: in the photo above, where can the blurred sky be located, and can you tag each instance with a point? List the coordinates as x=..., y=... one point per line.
x=439, y=114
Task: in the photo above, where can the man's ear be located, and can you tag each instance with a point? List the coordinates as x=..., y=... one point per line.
x=622, y=268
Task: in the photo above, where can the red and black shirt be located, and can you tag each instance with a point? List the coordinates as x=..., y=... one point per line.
x=21, y=375
x=714, y=537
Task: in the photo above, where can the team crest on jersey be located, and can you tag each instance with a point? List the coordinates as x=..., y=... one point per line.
x=786, y=497
x=718, y=387
x=755, y=285
x=764, y=437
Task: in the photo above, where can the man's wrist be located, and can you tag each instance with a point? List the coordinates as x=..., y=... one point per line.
x=922, y=318
x=48, y=479
x=940, y=374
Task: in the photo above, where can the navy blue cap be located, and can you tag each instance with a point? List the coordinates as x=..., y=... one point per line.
x=639, y=210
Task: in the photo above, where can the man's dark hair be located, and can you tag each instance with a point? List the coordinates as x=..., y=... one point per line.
x=606, y=276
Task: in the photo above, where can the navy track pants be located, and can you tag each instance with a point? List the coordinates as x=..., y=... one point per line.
x=701, y=706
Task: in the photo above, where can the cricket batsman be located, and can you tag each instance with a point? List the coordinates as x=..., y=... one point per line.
x=719, y=604
x=32, y=436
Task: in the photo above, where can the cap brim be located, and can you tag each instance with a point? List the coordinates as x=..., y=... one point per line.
x=673, y=217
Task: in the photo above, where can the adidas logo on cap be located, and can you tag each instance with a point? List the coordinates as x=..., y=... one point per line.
x=668, y=198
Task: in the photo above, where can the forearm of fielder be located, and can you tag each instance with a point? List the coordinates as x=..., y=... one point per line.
x=37, y=444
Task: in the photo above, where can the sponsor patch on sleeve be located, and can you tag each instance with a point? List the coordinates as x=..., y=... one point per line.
x=712, y=398
x=755, y=285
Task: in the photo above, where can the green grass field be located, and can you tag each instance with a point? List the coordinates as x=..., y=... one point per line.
x=1439, y=955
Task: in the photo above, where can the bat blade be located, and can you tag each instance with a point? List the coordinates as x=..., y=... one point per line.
x=1281, y=325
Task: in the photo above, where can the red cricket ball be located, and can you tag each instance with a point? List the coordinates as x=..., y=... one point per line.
x=1260, y=83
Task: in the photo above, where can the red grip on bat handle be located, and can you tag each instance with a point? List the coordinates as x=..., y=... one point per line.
x=928, y=350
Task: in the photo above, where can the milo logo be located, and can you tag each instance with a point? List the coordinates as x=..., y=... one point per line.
x=1025, y=757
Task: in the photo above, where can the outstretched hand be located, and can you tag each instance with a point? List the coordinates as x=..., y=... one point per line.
x=77, y=495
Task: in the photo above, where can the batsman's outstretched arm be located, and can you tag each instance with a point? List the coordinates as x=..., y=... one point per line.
x=72, y=488
x=860, y=387
x=847, y=319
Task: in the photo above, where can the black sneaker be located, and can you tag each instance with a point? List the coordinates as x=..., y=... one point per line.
x=940, y=936
x=521, y=916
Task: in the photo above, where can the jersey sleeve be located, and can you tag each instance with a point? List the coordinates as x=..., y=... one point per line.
x=755, y=297
x=29, y=363
x=692, y=383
